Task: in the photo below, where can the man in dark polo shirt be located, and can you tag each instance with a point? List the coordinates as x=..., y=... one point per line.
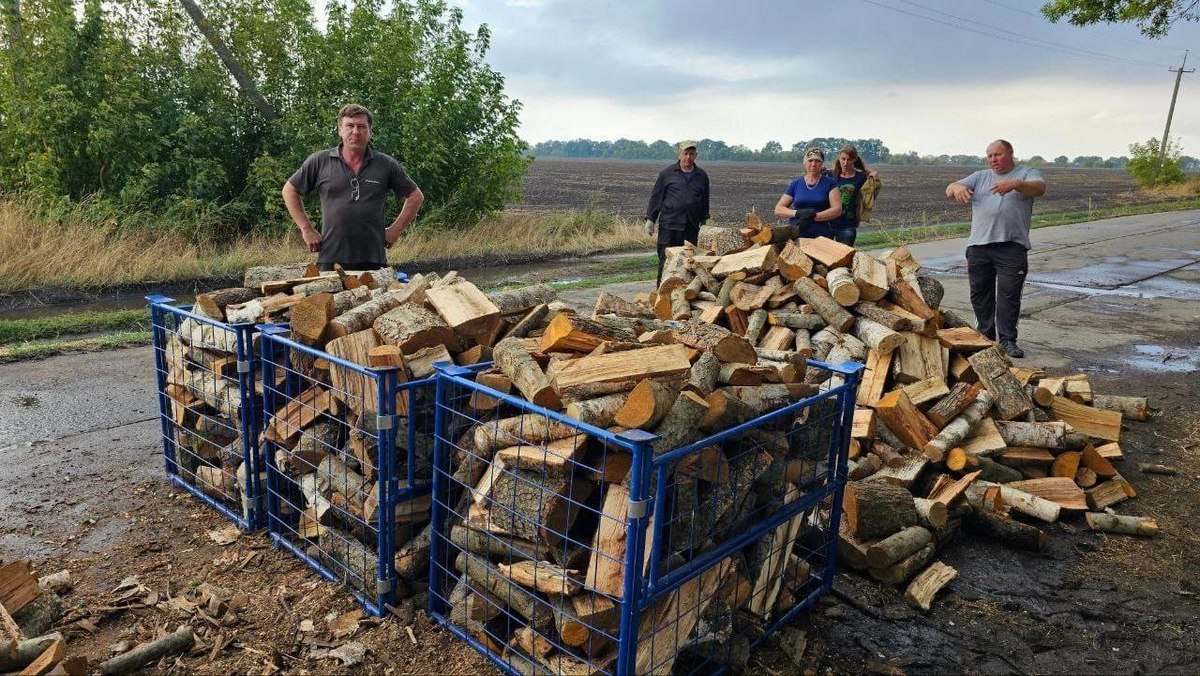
x=354, y=181
x=678, y=203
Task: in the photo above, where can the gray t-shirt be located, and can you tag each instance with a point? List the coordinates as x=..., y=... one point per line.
x=1000, y=218
x=352, y=206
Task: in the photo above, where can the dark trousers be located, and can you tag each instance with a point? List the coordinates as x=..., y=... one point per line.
x=328, y=267
x=997, y=275
x=668, y=238
x=845, y=235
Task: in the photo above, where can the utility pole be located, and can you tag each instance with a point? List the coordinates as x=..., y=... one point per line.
x=1162, y=152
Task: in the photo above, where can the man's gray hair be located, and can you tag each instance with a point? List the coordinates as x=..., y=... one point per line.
x=354, y=110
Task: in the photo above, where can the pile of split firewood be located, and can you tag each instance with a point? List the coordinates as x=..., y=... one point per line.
x=947, y=432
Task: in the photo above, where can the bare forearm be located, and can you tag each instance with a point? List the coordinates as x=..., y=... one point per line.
x=408, y=213
x=295, y=208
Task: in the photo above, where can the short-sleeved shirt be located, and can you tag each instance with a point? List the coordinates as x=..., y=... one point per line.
x=849, y=187
x=353, y=206
x=816, y=198
x=1000, y=218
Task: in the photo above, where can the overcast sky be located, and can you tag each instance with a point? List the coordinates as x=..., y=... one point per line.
x=758, y=70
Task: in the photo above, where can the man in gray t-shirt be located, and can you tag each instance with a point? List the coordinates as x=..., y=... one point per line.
x=1001, y=199
x=353, y=181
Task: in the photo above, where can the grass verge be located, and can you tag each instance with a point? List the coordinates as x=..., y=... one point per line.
x=40, y=349
x=41, y=328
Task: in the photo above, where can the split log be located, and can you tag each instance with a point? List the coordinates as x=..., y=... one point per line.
x=793, y=264
x=1124, y=525
x=256, y=275
x=607, y=303
x=1011, y=399
x=703, y=377
x=906, y=421
x=1108, y=493
x=1091, y=459
x=898, y=546
x=682, y=422
x=16, y=655
x=1090, y=421
x=622, y=369
x=754, y=326
x=750, y=261
x=599, y=411
x=541, y=576
x=1085, y=478
x=362, y=316
x=1060, y=490
x=1065, y=465
x=606, y=568
x=767, y=398
x=646, y=405
x=567, y=333
x=906, y=293
x=924, y=391
x=523, y=602
x=883, y=317
x=465, y=308
x=842, y=287
x=833, y=313
x=329, y=285
x=665, y=624
x=874, y=378
x=924, y=587
x=797, y=321
x=964, y=339
x=870, y=275
x=1134, y=408
x=1025, y=503
x=954, y=403
x=213, y=303
x=898, y=573
x=724, y=344
x=512, y=359
x=413, y=328
x=148, y=653
x=720, y=240
x=524, y=299
x=1006, y=530
x=1034, y=435
x=877, y=336
x=875, y=509
x=918, y=358
x=827, y=252
x=725, y=411
x=930, y=513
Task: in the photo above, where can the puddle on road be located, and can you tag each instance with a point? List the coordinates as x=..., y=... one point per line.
x=1160, y=359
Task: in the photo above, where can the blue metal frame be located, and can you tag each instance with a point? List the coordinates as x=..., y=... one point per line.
x=276, y=348
x=250, y=407
x=641, y=591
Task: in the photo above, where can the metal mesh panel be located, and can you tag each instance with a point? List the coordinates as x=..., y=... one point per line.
x=348, y=451
x=209, y=408
x=559, y=547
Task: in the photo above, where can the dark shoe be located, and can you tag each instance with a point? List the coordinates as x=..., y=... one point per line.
x=1010, y=348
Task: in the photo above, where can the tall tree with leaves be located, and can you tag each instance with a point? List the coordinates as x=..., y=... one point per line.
x=1153, y=17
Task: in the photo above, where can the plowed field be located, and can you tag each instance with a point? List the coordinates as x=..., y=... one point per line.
x=911, y=195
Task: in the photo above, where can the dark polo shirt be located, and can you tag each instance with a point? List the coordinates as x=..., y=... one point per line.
x=352, y=206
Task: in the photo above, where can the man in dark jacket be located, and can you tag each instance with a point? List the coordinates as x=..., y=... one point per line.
x=678, y=203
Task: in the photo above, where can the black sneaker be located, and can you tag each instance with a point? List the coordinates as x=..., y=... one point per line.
x=1010, y=348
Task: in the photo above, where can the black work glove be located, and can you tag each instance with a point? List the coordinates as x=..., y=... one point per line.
x=803, y=218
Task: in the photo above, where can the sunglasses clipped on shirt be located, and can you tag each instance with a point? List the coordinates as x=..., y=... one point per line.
x=354, y=191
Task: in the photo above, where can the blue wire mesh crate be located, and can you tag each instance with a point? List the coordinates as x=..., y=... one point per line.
x=563, y=547
x=348, y=454
x=209, y=408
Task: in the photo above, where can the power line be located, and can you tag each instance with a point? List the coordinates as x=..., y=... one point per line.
x=1078, y=51
x=1089, y=28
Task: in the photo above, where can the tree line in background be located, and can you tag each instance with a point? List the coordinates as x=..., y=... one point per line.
x=872, y=150
x=131, y=107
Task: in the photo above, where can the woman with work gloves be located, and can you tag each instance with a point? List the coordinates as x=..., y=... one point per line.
x=812, y=201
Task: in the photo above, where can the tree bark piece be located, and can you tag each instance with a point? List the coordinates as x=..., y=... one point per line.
x=797, y=321
x=1034, y=435
x=875, y=509
x=413, y=328
x=1125, y=525
x=875, y=313
x=529, y=379
x=833, y=313
x=148, y=653
x=924, y=587
x=599, y=411
x=1011, y=399
x=361, y=317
